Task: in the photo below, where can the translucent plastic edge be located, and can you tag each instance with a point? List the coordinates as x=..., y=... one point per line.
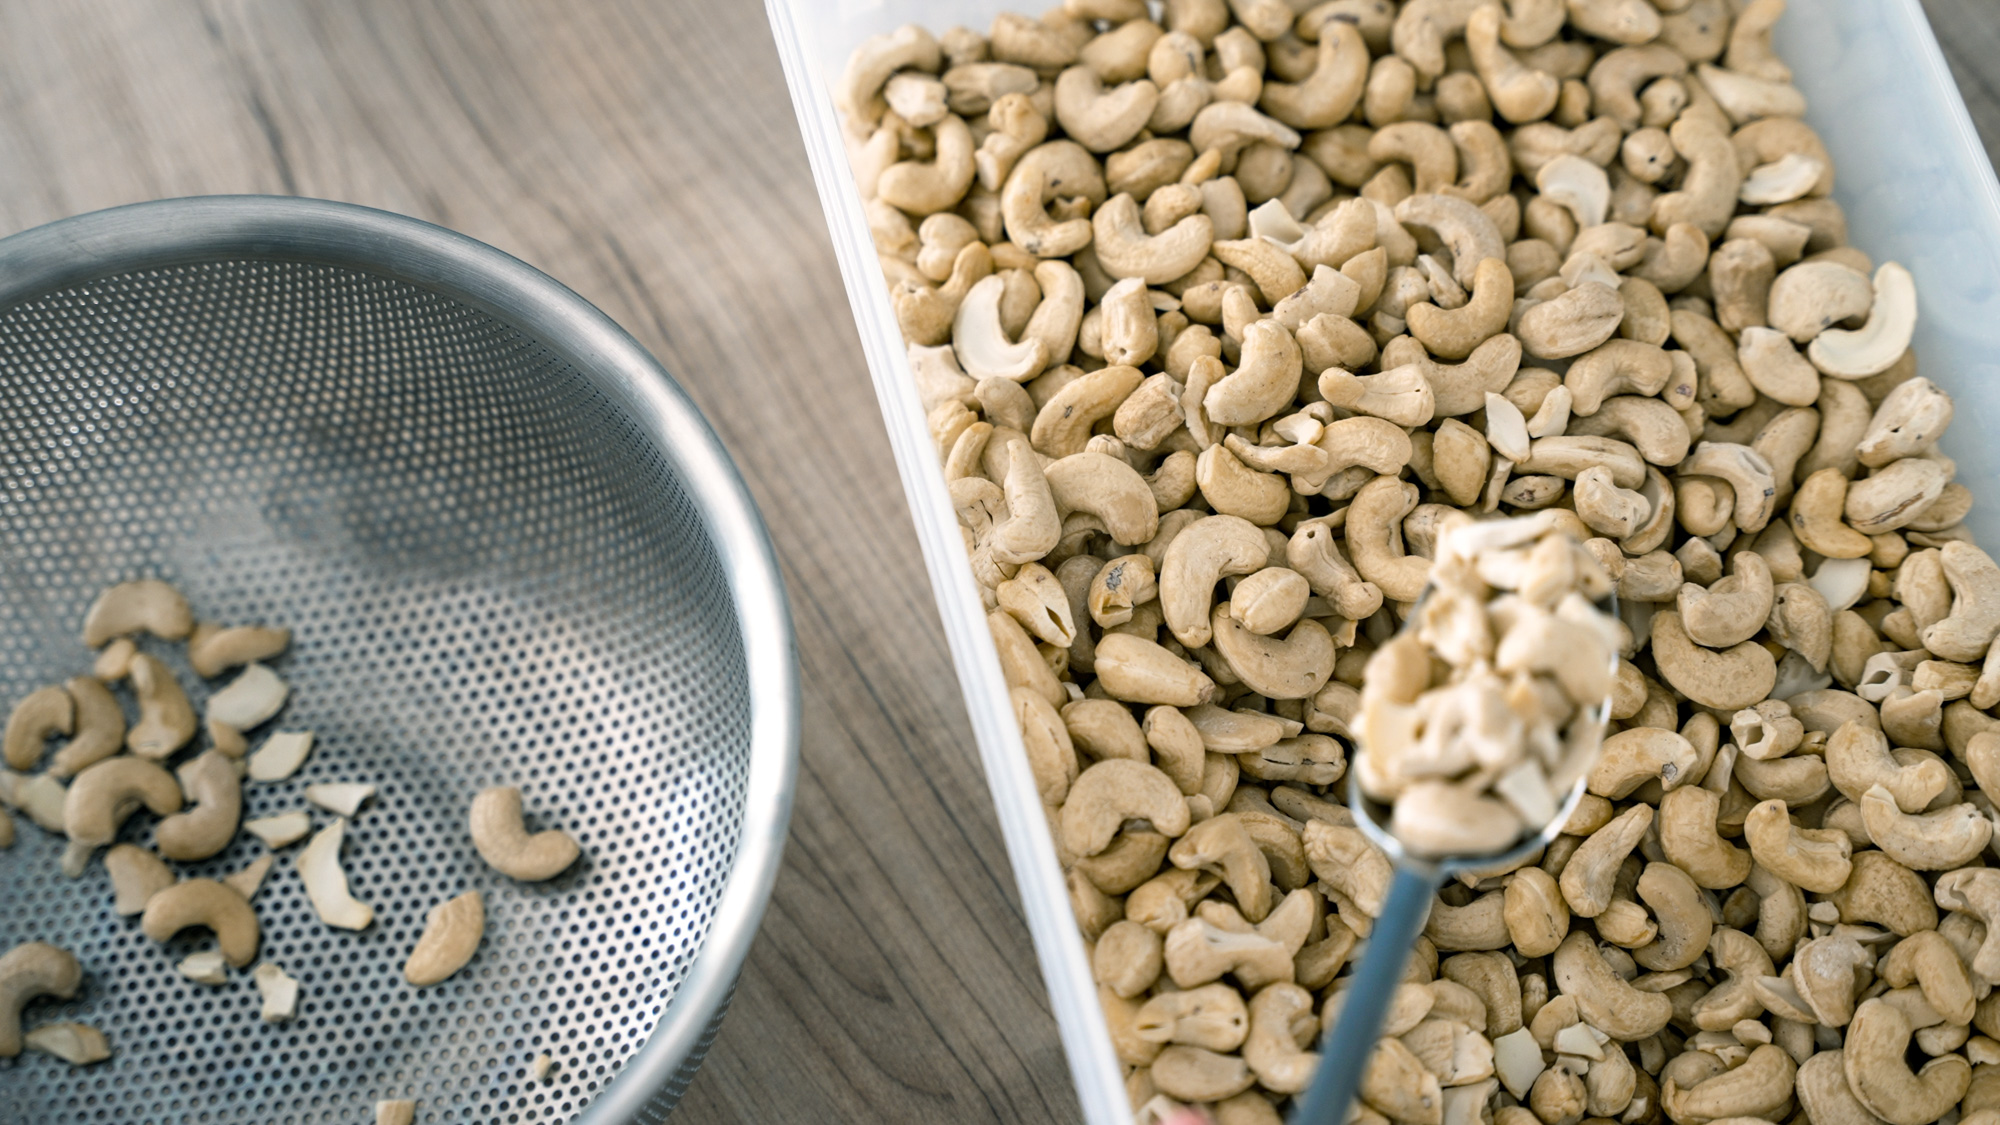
x=1873, y=75
x=1098, y=1077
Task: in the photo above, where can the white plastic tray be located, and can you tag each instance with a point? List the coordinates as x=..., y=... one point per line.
x=1917, y=188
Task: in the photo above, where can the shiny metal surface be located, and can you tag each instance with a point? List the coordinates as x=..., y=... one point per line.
x=511, y=552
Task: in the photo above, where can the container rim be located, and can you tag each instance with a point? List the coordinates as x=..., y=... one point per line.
x=185, y=231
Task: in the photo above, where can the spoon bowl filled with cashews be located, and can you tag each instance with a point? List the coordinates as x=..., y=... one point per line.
x=1200, y=326
x=1480, y=723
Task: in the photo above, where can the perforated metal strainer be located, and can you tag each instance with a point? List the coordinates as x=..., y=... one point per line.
x=510, y=552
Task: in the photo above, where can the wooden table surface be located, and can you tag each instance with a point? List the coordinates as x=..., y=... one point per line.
x=644, y=152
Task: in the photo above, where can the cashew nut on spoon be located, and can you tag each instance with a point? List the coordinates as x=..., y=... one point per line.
x=1506, y=597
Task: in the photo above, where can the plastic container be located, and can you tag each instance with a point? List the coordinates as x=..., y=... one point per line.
x=1917, y=187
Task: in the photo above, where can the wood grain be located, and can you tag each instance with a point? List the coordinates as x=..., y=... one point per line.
x=644, y=153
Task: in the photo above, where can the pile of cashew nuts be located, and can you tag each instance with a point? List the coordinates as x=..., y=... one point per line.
x=1222, y=309
x=1479, y=718
x=107, y=769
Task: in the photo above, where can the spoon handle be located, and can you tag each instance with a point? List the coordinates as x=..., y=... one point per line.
x=1350, y=1044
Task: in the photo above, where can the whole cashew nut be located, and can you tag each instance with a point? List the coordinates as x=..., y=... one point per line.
x=505, y=844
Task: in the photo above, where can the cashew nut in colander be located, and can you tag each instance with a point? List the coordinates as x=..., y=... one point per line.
x=207, y=903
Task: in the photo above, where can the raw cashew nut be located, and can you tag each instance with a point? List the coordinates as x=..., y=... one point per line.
x=1761, y=1086
x=26, y=971
x=1520, y=93
x=1968, y=633
x=214, y=650
x=1099, y=119
x=147, y=605
x=1376, y=511
x=451, y=935
x=981, y=344
x=44, y=713
x=1872, y=348
x=1466, y=231
x=1281, y=1023
x=1293, y=668
x=212, y=783
x=1872, y=1058
x=1939, y=841
x=1811, y=859
x=1212, y=1016
x=923, y=187
x=204, y=902
x=102, y=797
x=99, y=727
x=1113, y=791
x=1731, y=610
x=1858, y=761
x=1688, y=836
x=1136, y=670
x=504, y=843
x=1811, y=297
x=1605, y=1000
x=1731, y=680
x=1203, y=554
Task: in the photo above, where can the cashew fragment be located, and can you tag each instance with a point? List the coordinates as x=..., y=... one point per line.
x=452, y=931
x=136, y=876
x=204, y=902
x=280, y=756
x=504, y=843
x=166, y=719
x=252, y=697
x=280, y=995
x=77, y=1044
x=326, y=884
x=146, y=605
x=342, y=797
x=281, y=830
x=27, y=971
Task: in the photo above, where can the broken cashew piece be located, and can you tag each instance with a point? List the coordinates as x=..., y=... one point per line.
x=205, y=967
x=280, y=994
x=326, y=883
x=451, y=935
x=77, y=1044
x=252, y=697
x=166, y=719
x=281, y=755
x=281, y=830
x=136, y=876
x=505, y=845
x=342, y=797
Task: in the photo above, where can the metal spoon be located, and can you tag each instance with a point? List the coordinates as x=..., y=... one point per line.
x=1349, y=1044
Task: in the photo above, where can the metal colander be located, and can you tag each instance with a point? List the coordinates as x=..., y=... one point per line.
x=510, y=552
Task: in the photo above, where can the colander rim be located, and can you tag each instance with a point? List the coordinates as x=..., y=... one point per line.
x=184, y=231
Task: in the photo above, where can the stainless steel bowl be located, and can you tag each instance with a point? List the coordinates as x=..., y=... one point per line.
x=511, y=552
